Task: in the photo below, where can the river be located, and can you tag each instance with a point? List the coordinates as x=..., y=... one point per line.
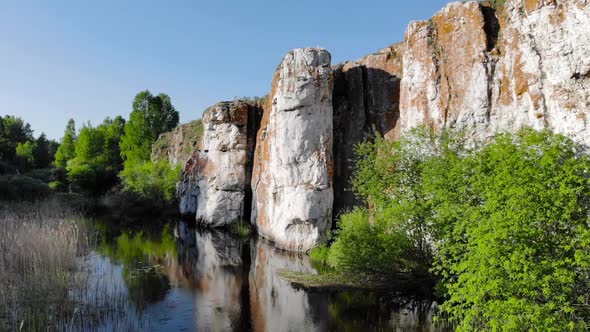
x=180, y=278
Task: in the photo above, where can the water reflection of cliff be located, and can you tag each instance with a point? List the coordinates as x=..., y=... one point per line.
x=236, y=287
x=214, y=264
x=276, y=305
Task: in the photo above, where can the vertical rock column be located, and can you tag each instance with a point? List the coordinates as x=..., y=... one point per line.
x=221, y=168
x=293, y=167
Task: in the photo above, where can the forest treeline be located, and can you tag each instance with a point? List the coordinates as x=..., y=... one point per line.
x=112, y=158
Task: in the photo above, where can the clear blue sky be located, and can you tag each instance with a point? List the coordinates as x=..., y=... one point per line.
x=87, y=59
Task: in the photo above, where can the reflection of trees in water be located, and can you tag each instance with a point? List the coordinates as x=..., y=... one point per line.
x=379, y=311
x=142, y=256
x=235, y=285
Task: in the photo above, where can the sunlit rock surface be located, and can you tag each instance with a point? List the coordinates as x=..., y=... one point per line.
x=485, y=71
x=215, y=182
x=474, y=66
x=293, y=167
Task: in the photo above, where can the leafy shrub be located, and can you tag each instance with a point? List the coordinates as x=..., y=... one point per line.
x=43, y=174
x=58, y=186
x=90, y=178
x=153, y=180
x=511, y=226
x=20, y=187
x=370, y=248
x=319, y=254
x=504, y=225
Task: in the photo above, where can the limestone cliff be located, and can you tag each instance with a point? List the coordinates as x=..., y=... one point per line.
x=476, y=66
x=215, y=183
x=293, y=167
x=365, y=100
x=487, y=70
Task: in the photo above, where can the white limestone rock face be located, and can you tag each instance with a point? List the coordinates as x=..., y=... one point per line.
x=473, y=68
x=293, y=167
x=221, y=175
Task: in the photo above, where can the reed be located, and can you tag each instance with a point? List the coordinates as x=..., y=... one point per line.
x=50, y=279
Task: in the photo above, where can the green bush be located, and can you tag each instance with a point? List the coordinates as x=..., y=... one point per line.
x=58, y=186
x=320, y=254
x=370, y=248
x=20, y=187
x=511, y=228
x=90, y=178
x=503, y=225
x=153, y=180
x=43, y=174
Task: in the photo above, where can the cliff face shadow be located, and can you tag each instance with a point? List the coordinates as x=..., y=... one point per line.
x=364, y=100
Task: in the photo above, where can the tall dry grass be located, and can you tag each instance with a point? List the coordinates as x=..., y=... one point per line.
x=50, y=281
x=40, y=244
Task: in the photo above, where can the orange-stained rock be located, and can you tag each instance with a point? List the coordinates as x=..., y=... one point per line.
x=473, y=68
x=216, y=180
x=292, y=183
x=365, y=99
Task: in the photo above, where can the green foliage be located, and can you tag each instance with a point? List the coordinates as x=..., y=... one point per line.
x=392, y=236
x=42, y=154
x=374, y=249
x=58, y=186
x=113, y=131
x=96, y=158
x=504, y=226
x=13, y=131
x=43, y=174
x=512, y=231
x=319, y=254
x=19, y=188
x=151, y=116
x=66, y=150
x=153, y=180
x=24, y=152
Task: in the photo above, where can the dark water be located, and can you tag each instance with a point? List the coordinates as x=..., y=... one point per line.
x=183, y=279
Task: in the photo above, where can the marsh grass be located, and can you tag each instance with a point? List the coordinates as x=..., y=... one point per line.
x=47, y=280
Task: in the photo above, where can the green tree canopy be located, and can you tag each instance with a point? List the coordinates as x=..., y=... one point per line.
x=66, y=150
x=13, y=130
x=151, y=116
x=41, y=152
x=113, y=131
x=24, y=152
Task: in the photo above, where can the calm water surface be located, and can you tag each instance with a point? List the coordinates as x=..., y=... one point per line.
x=184, y=279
